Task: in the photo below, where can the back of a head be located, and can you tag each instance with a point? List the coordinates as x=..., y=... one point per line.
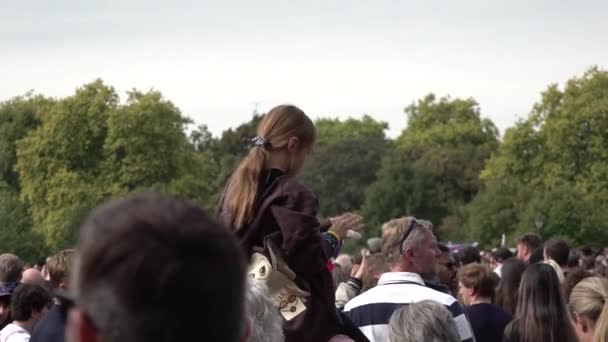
x=376, y=266
x=152, y=268
x=589, y=299
x=502, y=254
x=469, y=255
x=508, y=288
x=33, y=276
x=11, y=268
x=479, y=278
x=587, y=259
x=26, y=299
x=537, y=256
x=586, y=251
x=392, y=235
x=512, y=270
x=573, y=259
x=345, y=261
x=339, y=275
x=59, y=267
x=539, y=287
x=423, y=321
x=575, y=276
x=277, y=127
x=266, y=322
x=558, y=251
x=374, y=245
x=531, y=240
x=542, y=313
x=487, y=257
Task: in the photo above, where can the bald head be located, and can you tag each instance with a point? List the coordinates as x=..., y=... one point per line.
x=33, y=276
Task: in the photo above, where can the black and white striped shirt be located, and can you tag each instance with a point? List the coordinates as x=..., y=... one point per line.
x=372, y=310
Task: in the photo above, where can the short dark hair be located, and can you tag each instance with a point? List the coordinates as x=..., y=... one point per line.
x=479, y=278
x=469, y=255
x=558, y=250
x=502, y=254
x=146, y=262
x=533, y=241
x=536, y=256
x=11, y=268
x=26, y=299
x=5, y=301
x=572, y=259
x=586, y=251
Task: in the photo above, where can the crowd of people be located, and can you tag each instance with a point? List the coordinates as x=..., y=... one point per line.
x=265, y=267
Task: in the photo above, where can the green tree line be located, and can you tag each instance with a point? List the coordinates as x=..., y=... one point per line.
x=61, y=157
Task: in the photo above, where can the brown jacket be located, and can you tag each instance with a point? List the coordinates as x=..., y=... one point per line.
x=286, y=213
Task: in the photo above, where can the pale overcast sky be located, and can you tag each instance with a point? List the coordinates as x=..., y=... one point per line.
x=217, y=59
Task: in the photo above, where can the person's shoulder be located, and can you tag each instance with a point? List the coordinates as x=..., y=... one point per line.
x=10, y=328
x=293, y=194
x=438, y=296
x=502, y=314
x=5, y=331
x=14, y=333
x=491, y=310
x=18, y=337
x=49, y=333
x=487, y=310
x=50, y=326
x=291, y=185
x=368, y=297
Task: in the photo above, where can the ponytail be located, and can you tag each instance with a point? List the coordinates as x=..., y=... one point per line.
x=589, y=298
x=274, y=131
x=243, y=187
x=601, y=325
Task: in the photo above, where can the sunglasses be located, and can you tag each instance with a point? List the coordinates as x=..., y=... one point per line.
x=413, y=222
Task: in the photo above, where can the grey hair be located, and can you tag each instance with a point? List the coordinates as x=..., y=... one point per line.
x=414, y=240
x=344, y=260
x=266, y=322
x=392, y=233
x=104, y=309
x=423, y=321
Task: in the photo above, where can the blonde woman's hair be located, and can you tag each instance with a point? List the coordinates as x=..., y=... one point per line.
x=589, y=299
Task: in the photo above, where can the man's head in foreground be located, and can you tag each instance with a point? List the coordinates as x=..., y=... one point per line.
x=152, y=268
